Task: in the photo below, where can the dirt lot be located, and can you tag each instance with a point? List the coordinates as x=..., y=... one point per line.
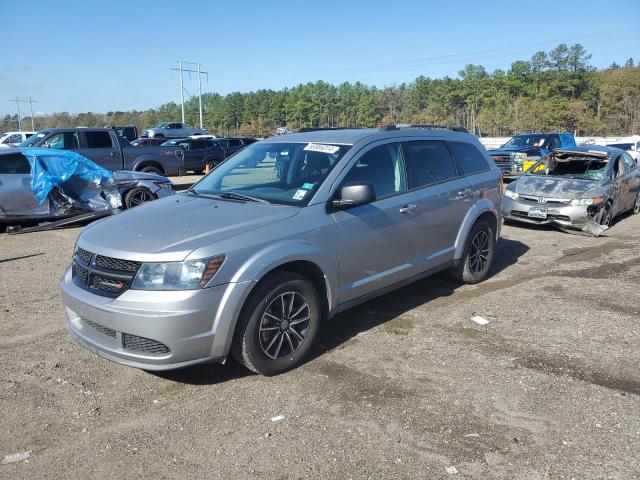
x=400, y=387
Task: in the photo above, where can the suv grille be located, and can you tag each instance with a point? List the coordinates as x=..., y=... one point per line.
x=117, y=264
x=102, y=275
x=141, y=344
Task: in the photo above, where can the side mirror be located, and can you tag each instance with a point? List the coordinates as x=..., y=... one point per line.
x=354, y=195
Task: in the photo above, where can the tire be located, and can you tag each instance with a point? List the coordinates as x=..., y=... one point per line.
x=158, y=135
x=477, y=256
x=636, y=205
x=137, y=196
x=152, y=169
x=604, y=216
x=267, y=338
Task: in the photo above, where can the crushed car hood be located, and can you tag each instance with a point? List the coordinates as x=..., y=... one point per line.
x=171, y=228
x=552, y=187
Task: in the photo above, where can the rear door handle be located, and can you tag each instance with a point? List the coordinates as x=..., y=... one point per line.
x=407, y=208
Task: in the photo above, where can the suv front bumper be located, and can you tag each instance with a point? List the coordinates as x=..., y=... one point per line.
x=153, y=330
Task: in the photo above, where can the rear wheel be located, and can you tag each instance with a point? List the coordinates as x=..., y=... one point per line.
x=152, y=169
x=278, y=325
x=477, y=256
x=138, y=196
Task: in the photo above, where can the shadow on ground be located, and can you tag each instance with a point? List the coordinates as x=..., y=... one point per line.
x=366, y=316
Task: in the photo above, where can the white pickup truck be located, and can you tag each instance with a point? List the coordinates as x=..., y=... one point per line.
x=172, y=130
x=12, y=139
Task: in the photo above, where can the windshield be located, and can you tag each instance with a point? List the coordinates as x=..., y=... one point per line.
x=283, y=173
x=528, y=141
x=161, y=125
x=573, y=168
x=623, y=146
x=33, y=139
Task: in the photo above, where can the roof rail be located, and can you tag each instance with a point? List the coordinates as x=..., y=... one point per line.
x=426, y=126
x=316, y=129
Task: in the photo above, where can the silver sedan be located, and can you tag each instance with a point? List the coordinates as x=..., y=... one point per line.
x=582, y=189
x=18, y=201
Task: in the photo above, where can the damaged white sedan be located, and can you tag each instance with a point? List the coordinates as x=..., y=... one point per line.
x=580, y=190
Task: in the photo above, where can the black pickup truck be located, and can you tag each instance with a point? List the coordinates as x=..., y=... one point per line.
x=106, y=148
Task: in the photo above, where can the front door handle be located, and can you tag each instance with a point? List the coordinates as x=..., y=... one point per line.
x=407, y=208
x=113, y=154
x=464, y=193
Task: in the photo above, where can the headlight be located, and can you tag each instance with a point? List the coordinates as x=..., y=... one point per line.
x=511, y=194
x=586, y=201
x=518, y=157
x=161, y=185
x=187, y=275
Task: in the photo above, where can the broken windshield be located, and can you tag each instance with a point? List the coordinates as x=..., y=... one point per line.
x=574, y=168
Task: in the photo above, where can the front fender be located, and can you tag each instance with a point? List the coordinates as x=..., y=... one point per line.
x=481, y=206
x=273, y=256
x=256, y=268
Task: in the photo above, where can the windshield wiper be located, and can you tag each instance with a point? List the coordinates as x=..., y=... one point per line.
x=240, y=196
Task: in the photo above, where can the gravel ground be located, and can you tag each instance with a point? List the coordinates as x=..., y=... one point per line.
x=404, y=386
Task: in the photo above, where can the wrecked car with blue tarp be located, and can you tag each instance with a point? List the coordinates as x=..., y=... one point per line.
x=45, y=184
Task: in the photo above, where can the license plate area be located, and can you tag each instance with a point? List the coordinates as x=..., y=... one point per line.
x=537, y=212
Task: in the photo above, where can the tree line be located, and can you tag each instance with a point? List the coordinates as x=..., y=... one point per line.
x=555, y=90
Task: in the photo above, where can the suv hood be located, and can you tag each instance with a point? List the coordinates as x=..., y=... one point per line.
x=553, y=187
x=169, y=229
x=509, y=150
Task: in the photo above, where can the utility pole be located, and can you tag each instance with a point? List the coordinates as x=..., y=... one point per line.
x=200, y=73
x=17, y=100
x=33, y=124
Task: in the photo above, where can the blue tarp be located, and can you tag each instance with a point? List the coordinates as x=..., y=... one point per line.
x=51, y=168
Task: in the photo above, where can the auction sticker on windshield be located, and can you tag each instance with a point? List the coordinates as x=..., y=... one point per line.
x=320, y=147
x=299, y=195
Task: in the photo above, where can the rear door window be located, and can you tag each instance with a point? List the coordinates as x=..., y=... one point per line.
x=14, y=163
x=235, y=142
x=428, y=162
x=98, y=139
x=469, y=159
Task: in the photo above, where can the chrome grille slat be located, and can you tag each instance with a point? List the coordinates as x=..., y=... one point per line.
x=103, y=275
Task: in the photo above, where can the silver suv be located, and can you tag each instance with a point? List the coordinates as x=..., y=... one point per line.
x=283, y=235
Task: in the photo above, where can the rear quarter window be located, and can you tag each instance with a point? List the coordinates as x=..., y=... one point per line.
x=469, y=159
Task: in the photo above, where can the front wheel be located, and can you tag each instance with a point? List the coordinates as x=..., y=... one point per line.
x=604, y=216
x=278, y=325
x=477, y=256
x=137, y=196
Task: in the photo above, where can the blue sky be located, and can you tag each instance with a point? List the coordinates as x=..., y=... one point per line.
x=101, y=56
